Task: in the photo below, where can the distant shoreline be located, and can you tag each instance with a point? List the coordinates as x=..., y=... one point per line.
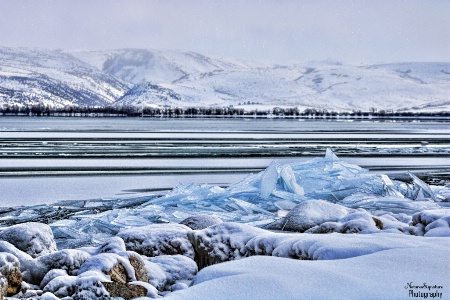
x=211, y=113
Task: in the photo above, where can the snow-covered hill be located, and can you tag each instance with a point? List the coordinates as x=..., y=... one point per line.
x=152, y=77
x=29, y=76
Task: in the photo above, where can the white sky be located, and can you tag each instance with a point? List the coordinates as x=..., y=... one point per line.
x=275, y=31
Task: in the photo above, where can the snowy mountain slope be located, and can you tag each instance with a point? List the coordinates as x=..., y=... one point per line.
x=153, y=77
x=54, y=77
x=325, y=86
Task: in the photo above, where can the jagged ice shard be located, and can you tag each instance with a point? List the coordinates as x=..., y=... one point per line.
x=259, y=199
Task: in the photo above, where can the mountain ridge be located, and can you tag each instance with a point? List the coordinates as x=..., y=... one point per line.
x=143, y=77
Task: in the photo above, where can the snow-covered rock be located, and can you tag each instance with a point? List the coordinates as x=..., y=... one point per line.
x=178, y=269
x=199, y=222
x=32, y=270
x=222, y=242
x=89, y=286
x=36, y=239
x=156, y=275
x=116, y=267
x=158, y=239
x=52, y=274
x=61, y=286
x=312, y=213
x=69, y=260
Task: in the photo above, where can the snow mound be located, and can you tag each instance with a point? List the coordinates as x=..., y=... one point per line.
x=432, y=223
x=36, y=239
x=381, y=275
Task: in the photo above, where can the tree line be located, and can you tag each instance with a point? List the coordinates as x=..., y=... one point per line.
x=174, y=112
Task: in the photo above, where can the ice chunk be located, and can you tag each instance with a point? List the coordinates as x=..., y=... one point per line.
x=330, y=156
x=423, y=189
x=268, y=180
x=289, y=180
x=389, y=189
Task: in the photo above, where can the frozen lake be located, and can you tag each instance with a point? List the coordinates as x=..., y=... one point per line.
x=43, y=160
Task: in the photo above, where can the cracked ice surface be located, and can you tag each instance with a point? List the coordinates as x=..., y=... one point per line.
x=262, y=198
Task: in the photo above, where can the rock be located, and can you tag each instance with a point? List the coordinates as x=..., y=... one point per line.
x=35, y=239
x=125, y=290
x=138, y=265
x=117, y=267
x=378, y=223
x=199, y=222
x=312, y=213
x=10, y=269
x=158, y=239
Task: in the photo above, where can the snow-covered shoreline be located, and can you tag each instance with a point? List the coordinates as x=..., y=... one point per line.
x=317, y=229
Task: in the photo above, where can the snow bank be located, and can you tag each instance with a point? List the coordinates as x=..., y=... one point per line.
x=381, y=275
x=432, y=223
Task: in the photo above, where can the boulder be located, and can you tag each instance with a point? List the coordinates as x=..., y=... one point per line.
x=35, y=239
x=312, y=213
x=199, y=222
x=126, y=291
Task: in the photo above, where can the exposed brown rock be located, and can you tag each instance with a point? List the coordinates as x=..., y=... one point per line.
x=378, y=223
x=138, y=266
x=125, y=290
x=14, y=279
x=118, y=273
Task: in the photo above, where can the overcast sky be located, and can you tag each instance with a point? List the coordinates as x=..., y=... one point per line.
x=275, y=31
